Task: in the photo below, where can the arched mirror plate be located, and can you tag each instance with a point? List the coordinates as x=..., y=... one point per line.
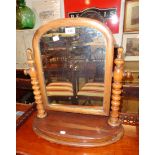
x=73, y=61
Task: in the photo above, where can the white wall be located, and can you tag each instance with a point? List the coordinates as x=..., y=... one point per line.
x=118, y=37
x=24, y=37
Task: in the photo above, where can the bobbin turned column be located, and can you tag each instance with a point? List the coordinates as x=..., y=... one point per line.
x=116, y=89
x=41, y=113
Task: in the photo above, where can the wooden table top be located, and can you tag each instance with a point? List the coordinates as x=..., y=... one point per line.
x=28, y=143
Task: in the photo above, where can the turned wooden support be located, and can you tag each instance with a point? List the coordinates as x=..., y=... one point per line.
x=116, y=89
x=35, y=84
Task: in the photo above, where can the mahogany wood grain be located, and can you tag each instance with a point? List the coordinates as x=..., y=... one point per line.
x=22, y=106
x=27, y=110
x=28, y=143
x=86, y=131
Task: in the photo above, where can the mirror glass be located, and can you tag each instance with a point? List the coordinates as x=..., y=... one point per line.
x=73, y=60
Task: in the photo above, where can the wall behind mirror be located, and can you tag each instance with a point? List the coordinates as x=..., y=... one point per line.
x=37, y=7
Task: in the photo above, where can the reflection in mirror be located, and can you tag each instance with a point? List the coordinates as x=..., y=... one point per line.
x=73, y=60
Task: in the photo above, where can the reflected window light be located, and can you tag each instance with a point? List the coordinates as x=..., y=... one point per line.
x=87, y=2
x=114, y=19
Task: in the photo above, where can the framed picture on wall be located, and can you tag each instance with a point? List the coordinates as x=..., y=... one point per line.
x=131, y=18
x=131, y=47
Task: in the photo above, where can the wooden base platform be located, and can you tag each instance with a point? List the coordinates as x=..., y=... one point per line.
x=78, y=130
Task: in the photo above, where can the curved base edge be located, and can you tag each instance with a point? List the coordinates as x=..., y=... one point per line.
x=75, y=133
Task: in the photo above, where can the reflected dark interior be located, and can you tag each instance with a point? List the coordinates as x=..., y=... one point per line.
x=73, y=60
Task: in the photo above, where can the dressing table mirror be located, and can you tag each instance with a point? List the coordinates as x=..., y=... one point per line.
x=75, y=83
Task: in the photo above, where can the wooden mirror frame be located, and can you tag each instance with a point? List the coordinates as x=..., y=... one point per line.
x=109, y=43
x=63, y=127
